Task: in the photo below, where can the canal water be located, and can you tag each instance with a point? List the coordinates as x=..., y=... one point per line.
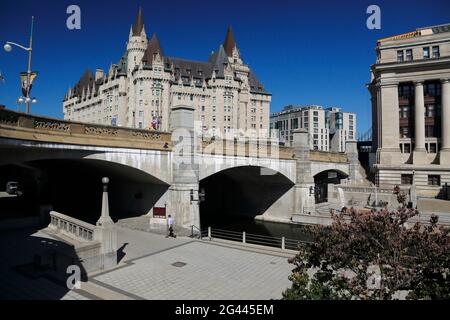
x=297, y=232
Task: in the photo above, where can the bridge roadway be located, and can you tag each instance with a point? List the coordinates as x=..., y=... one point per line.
x=167, y=170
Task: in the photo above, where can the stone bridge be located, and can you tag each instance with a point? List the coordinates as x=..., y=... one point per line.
x=151, y=171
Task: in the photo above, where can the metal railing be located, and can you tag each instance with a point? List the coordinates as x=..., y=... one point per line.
x=197, y=233
x=248, y=238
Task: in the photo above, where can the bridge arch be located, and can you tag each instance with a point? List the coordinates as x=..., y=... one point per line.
x=319, y=167
x=325, y=178
x=153, y=162
x=240, y=193
x=213, y=164
x=73, y=186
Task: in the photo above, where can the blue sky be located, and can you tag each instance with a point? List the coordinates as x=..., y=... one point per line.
x=304, y=52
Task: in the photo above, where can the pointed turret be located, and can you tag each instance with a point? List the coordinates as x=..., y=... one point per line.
x=138, y=24
x=218, y=60
x=229, y=44
x=153, y=48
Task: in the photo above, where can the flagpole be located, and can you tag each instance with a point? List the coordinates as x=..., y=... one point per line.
x=30, y=51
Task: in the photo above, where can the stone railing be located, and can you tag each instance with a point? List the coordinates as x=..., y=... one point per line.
x=247, y=149
x=367, y=190
x=321, y=156
x=43, y=129
x=73, y=228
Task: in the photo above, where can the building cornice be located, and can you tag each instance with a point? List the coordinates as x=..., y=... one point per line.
x=436, y=62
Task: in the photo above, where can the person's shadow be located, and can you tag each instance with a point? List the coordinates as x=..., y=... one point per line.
x=120, y=253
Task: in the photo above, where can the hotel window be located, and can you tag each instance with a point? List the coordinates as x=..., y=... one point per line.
x=426, y=53
x=407, y=179
x=407, y=148
x=432, y=89
x=141, y=113
x=429, y=131
x=404, y=112
x=405, y=91
x=436, y=53
x=400, y=56
x=433, y=148
x=434, y=180
x=430, y=110
x=203, y=108
x=409, y=55
x=405, y=133
x=140, y=125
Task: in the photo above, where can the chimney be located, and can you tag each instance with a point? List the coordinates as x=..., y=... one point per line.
x=98, y=74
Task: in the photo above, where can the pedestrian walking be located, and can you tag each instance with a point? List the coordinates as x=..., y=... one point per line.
x=170, y=227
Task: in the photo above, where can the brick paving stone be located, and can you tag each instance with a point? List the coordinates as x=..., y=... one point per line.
x=211, y=272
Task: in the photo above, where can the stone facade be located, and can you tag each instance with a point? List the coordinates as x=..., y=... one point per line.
x=140, y=90
x=329, y=128
x=410, y=92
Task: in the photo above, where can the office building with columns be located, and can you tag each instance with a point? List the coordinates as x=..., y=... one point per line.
x=410, y=93
x=140, y=90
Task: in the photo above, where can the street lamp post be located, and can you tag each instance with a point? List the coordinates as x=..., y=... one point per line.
x=8, y=48
x=19, y=102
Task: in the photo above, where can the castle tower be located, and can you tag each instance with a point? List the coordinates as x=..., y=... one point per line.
x=231, y=48
x=137, y=42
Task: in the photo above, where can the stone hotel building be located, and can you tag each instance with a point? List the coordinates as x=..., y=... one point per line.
x=410, y=92
x=140, y=90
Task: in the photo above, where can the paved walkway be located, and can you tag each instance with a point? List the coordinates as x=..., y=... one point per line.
x=17, y=248
x=152, y=267
x=158, y=268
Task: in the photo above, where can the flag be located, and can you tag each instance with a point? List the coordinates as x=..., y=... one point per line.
x=24, y=79
x=154, y=123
